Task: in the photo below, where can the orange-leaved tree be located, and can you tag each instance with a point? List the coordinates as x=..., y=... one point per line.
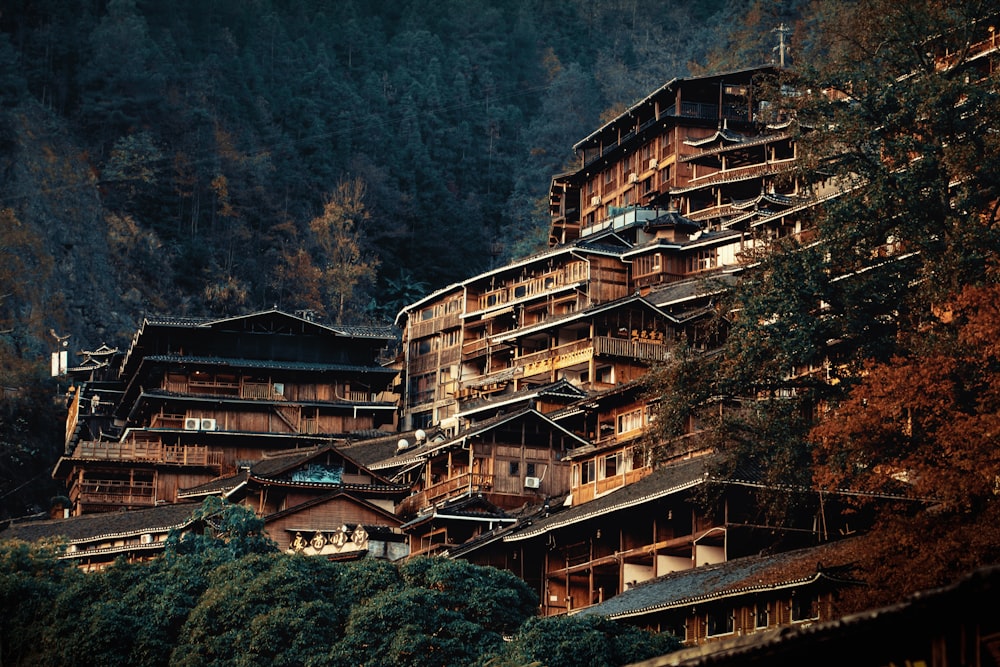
x=927, y=422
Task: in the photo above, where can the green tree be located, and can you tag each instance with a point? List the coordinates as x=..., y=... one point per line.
x=31, y=576
x=234, y=530
x=448, y=613
x=590, y=641
x=265, y=609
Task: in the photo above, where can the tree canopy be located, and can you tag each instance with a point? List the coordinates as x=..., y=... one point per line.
x=851, y=359
x=229, y=597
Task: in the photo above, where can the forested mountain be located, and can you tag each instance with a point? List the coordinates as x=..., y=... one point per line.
x=170, y=157
x=347, y=157
x=219, y=157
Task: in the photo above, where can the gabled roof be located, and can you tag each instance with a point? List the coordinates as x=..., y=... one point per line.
x=273, y=320
x=266, y=364
x=670, y=219
x=729, y=140
x=666, y=481
x=92, y=527
x=464, y=508
x=561, y=389
x=423, y=452
x=610, y=244
x=738, y=577
x=723, y=135
x=673, y=294
x=593, y=400
x=219, y=486
x=283, y=467
x=390, y=518
x=624, y=302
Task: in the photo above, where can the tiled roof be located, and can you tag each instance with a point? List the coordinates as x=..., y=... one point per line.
x=219, y=485
x=420, y=453
x=372, y=450
x=673, y=293
x=839, y=640
x=559, y=389
x=266, y=363
x=108, y=524
x=659, y=484
x=474, y=506
x=736, y=577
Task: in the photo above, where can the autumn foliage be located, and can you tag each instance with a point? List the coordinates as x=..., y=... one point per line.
x=926, y=422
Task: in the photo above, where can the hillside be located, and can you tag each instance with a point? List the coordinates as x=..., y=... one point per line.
x=186, y=159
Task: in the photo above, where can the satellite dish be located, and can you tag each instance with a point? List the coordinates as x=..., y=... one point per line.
x=402, y=444
x=420, y=435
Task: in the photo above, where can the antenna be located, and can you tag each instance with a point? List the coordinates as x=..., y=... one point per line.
x=781, y=30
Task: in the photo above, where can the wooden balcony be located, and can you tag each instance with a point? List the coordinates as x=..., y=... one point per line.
x=474, y=348
x=587, y=492
x=741, y=173
x=632, y=348
x=148, y=452
x=113, y=492
x=435, y=324
x=444, y=490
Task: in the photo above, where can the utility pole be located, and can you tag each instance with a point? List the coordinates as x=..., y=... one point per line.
x=781, y=30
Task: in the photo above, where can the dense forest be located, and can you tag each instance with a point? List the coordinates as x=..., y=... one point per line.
x=173, y=157
x=346, y=158
x=233, y=599
x=213, y=158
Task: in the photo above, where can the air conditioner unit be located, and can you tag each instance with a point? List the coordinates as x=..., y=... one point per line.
x=532, y=482
x=595, y=200
x=207, y=424
x=652, y=163
x=192, y=424
x=633, y=178
x=147, y=538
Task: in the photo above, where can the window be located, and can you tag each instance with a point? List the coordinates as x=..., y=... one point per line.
x=804, y=607
x=630, y=421
x=587, y=472
x=530, y=470
x=610, y=467
x=514, y=468
x=720, y=622
x=760, y=615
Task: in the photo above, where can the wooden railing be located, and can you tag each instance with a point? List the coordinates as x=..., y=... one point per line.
x=634, y=348
x=443, y=490
x=114, y=492
x=427, y=327
x=590, y=490
x=152, y=452
x=553, y=355
x=259, y=390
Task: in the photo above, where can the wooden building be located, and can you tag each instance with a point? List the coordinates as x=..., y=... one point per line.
x=576, y=555
x=318, y=502
x=192, y=400
x=95, y=541
x=503, y=463
x=950, y=626
x=741, y=596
